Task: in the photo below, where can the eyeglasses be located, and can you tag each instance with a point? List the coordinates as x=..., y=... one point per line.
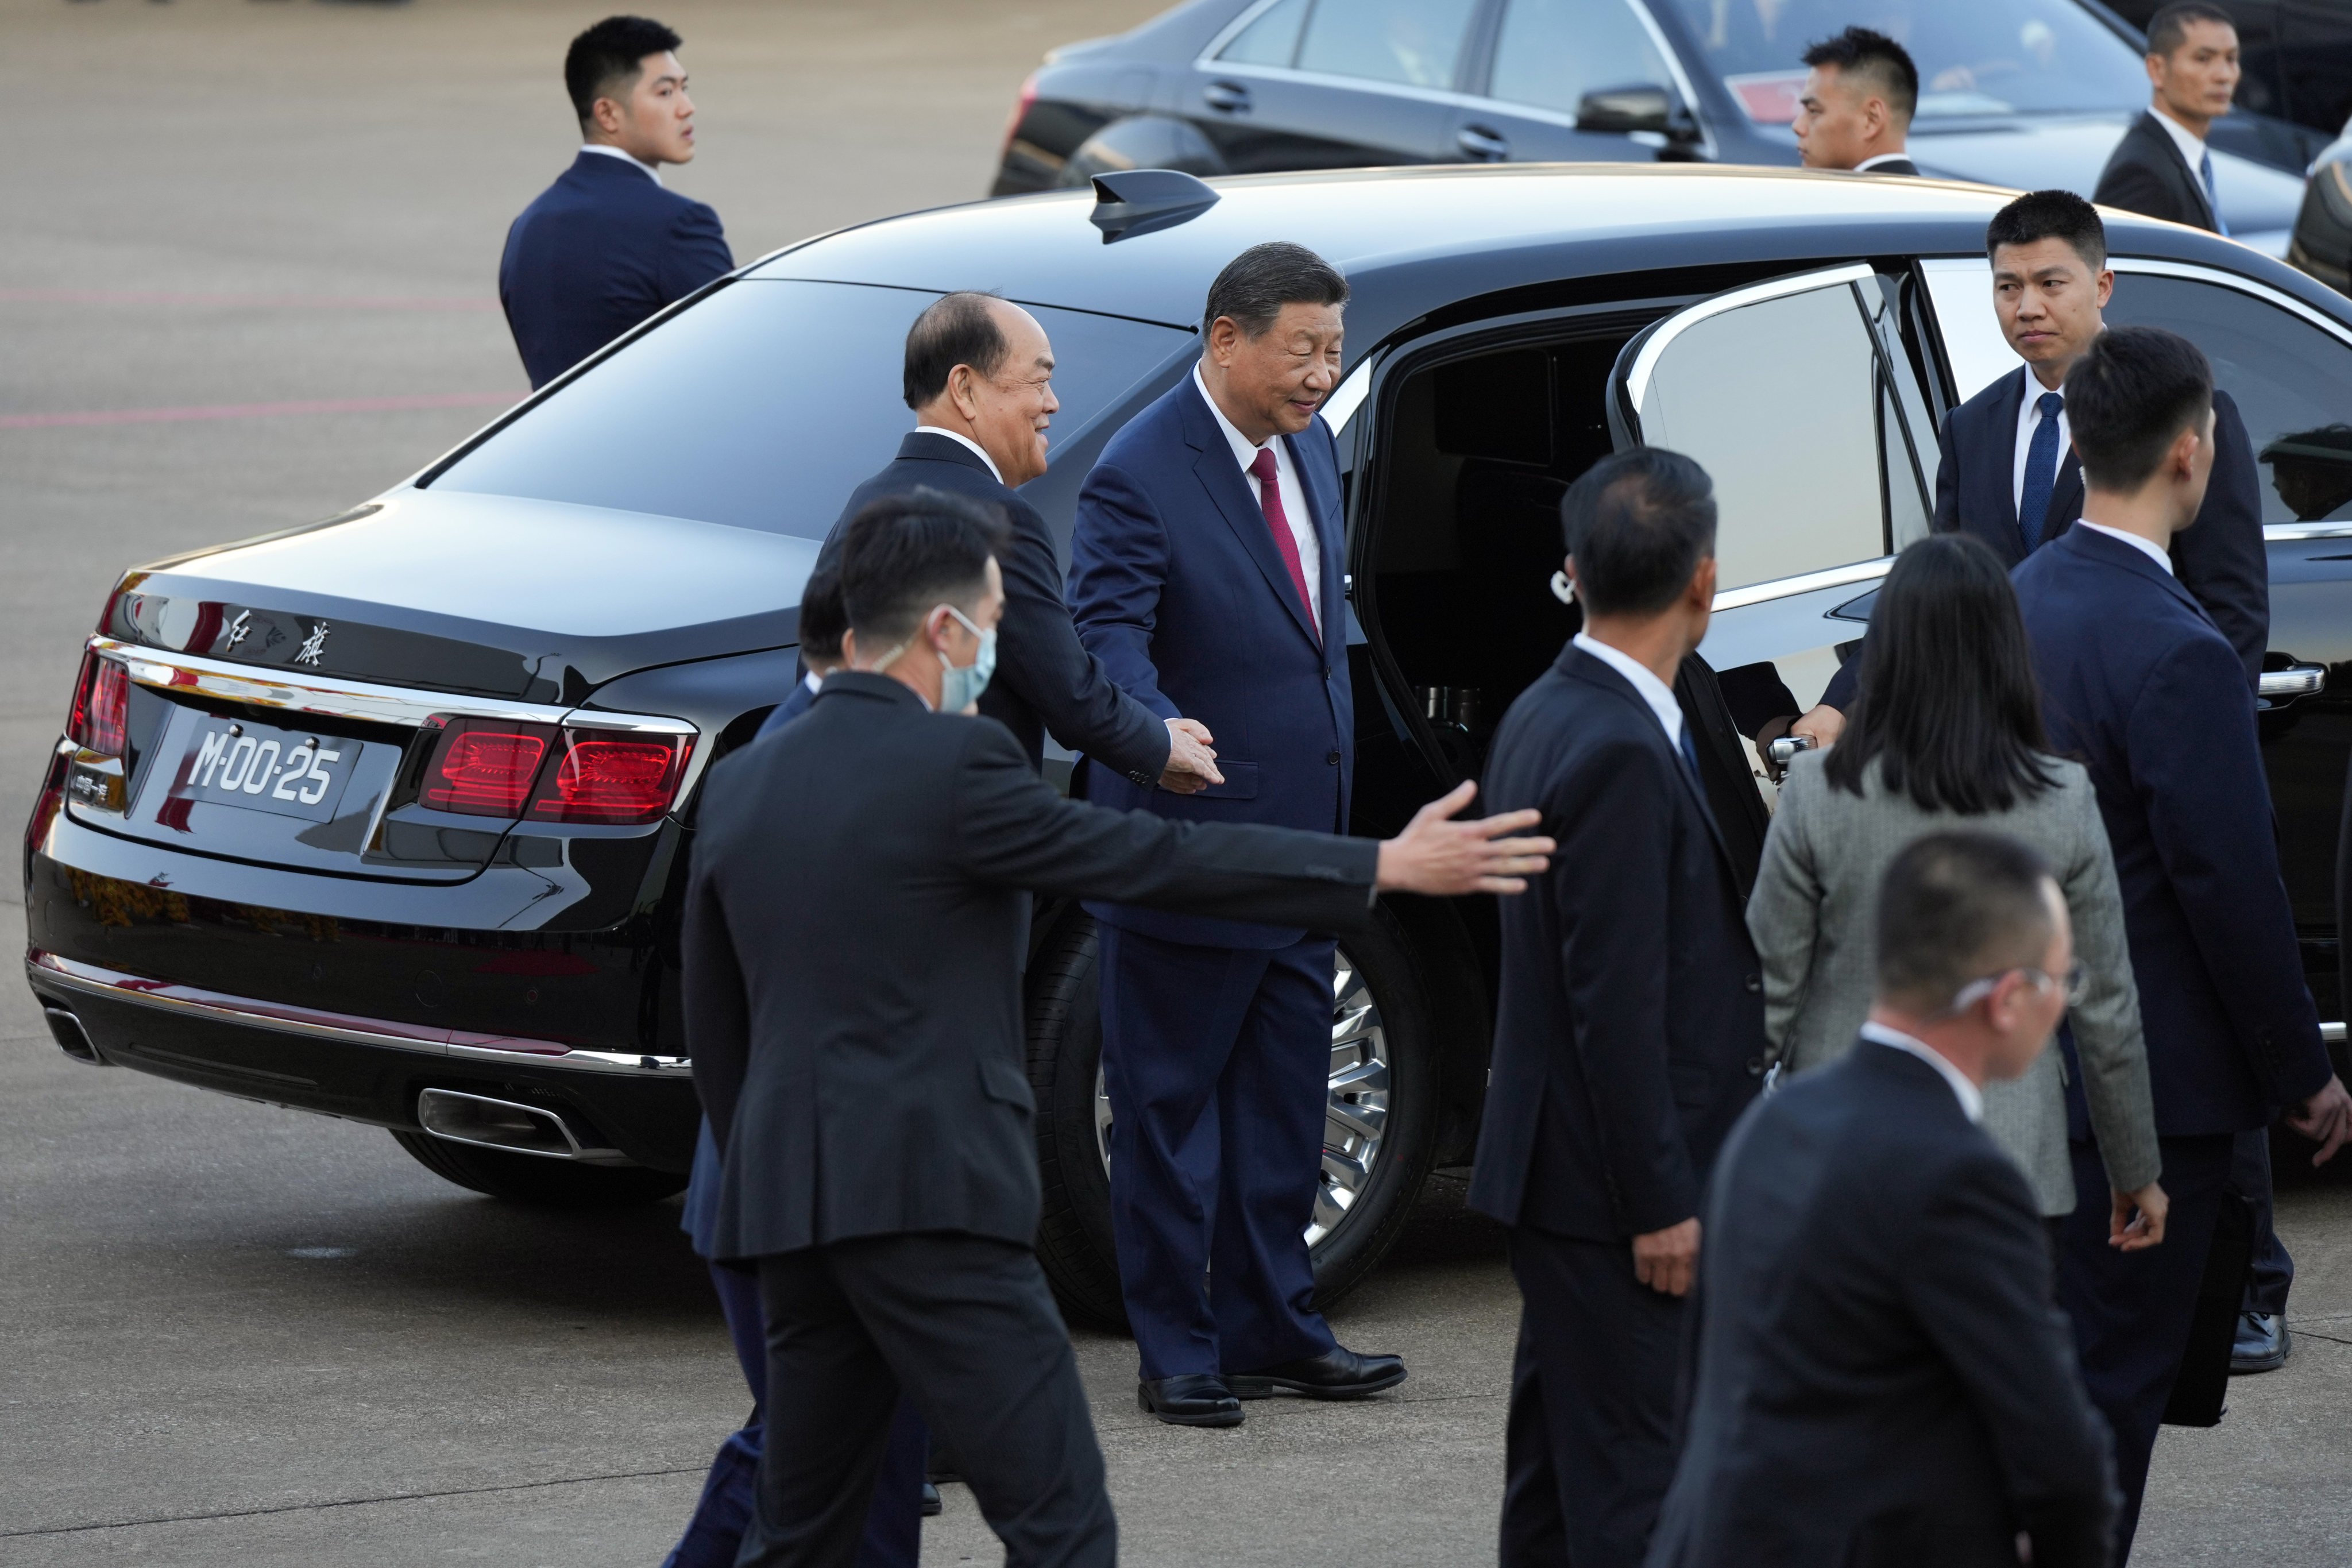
x=2076, y=981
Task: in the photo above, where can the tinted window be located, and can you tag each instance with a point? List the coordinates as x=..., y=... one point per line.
x=763, y=406
x=1269, y=40
x=1416, y=42
x=1552, y=52
x=2291, y=381
x=1975, y=56
x=2317, y=63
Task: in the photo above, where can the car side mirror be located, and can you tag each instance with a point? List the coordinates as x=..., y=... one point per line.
x=1642, y=107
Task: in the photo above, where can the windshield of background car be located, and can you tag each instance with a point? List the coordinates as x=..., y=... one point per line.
x=1975, y=56
x=766, y=404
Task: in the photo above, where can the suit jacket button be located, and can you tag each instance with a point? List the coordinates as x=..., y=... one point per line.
x=1755, y=982
x=1332, y=758
x=1755, y=1067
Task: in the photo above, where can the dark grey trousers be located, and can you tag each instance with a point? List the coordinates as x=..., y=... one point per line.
x=967, y=1328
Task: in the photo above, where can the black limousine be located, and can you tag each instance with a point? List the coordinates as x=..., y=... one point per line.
x=388, y=816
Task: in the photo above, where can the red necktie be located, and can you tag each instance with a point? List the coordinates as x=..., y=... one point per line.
x=1269, y=496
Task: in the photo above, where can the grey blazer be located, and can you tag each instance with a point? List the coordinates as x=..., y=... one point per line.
x=1811, y=917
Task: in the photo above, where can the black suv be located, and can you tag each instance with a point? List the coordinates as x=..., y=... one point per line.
x=388, y=817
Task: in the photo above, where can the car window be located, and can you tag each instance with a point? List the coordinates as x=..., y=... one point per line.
x=1271, y=39
x=1779, y=400
x=1984, y=57
x=1414, y=42
x=764, y=406
x=2292, y=383
x=2317, y=63
x=1552, y=52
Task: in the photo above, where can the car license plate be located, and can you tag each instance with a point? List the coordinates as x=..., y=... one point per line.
x=229, y=763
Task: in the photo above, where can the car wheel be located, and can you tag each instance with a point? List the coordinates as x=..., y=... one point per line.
x=535, y=1180
x=1380, y=1127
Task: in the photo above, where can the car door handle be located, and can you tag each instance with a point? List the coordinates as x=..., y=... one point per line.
x=1483, y=144
x=2295, y=680
x=1226, y=97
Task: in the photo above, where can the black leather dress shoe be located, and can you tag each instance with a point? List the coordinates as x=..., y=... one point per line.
x=1337, y=1374
x=1190, y=1399
x=933, y=1506
x=2261, y=1345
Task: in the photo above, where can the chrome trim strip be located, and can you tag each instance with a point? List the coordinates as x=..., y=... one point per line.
x=2262, y=291
x=2287, y=533
x=114, y=986
x=1806, y=583
x=2332, y=1033
x=2299, y=681
x=1347, y=396
x=1645, y=363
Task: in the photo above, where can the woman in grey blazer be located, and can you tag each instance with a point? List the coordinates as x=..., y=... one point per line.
x=1949, y=735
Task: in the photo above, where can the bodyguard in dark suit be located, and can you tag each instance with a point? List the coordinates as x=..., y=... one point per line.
x=1882, y=1379
x=1855, y=110
x=851, y=998
x=605, y=246
x=2138, y=684
x=1206, y=572
x=979, y=375
x=1630, y=1033
x=2162, y=167
x=2009, y=472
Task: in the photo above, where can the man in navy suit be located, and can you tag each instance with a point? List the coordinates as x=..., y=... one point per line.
x=1630, y=1034
x=1205, y=573
x=2162, y=166
x=2010, y=474
x=605, y=246
x=2138, y=682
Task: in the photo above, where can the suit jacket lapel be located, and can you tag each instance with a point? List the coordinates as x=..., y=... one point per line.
x=2002, y=475
x=2065, y=498
x=1575, y=661
x=2177, y=161
x=1323, y=516
x=1222, y=479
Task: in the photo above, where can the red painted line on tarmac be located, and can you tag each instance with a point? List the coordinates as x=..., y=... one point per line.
x=256, y=302
x=260, y=410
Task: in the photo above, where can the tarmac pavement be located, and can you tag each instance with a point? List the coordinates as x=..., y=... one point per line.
x=247, y=279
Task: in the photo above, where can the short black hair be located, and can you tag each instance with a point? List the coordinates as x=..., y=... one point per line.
x=1955, y=907
x=824, y=618
x=612, y=51
x=954, y=329
x=1950, y=711
x=2168, y=28
x=902, y=554
x=1860, y=51
x=1637, y=523
x=1256, y=284
x=2129, y=397
x=2050, y=215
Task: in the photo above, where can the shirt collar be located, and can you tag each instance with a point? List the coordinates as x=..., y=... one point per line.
x=1245, y=451
x=1652, y=690
x=2144, y=546
x=977, y=448
x=651, y=172
x=1869, y=164
x=1970, y=1097
x=2191, y=145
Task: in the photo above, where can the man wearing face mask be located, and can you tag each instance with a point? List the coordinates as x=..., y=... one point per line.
x=858, y=1041
x=980, y=377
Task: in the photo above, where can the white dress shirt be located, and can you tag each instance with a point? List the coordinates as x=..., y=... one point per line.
x=1970, y=1097
x=976, y=447
x=2146, y=547
x=1867, y=165
x=1654, y=691
x=650, y=171
x=2191, y=145
x=2028, y=417
x=1294, y=498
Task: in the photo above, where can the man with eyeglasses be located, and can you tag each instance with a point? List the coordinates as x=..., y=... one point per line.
x=2137, y=682
x=1881, y=1377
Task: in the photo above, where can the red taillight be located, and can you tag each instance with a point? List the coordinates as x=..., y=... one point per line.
x=100, y=720
x=485, y=770
x=1020, y=112
x=603, y=776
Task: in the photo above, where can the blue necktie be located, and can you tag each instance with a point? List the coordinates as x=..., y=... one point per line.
x=2205, y=167
x=2041, y=472
x=1690, y=753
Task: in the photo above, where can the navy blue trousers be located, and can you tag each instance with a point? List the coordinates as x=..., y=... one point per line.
x=2273, y=1271
x=1218, y=1061
x=2131, y=1311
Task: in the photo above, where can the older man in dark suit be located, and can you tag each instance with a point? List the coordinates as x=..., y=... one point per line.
x=2137, y=682
x=1882, y=1379
x=605, y=247
x=2162, y=166
x=858, y=1045
x=1630, y=1034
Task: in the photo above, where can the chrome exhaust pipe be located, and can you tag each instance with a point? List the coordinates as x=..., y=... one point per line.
x=502, y=1124
x=71, y=1037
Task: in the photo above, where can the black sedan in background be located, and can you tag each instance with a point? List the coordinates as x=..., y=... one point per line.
x=2021, y=93
x=388, y=817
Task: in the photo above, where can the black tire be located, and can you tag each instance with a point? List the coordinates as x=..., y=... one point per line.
x=535, y=1180
x=1073, y=1235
